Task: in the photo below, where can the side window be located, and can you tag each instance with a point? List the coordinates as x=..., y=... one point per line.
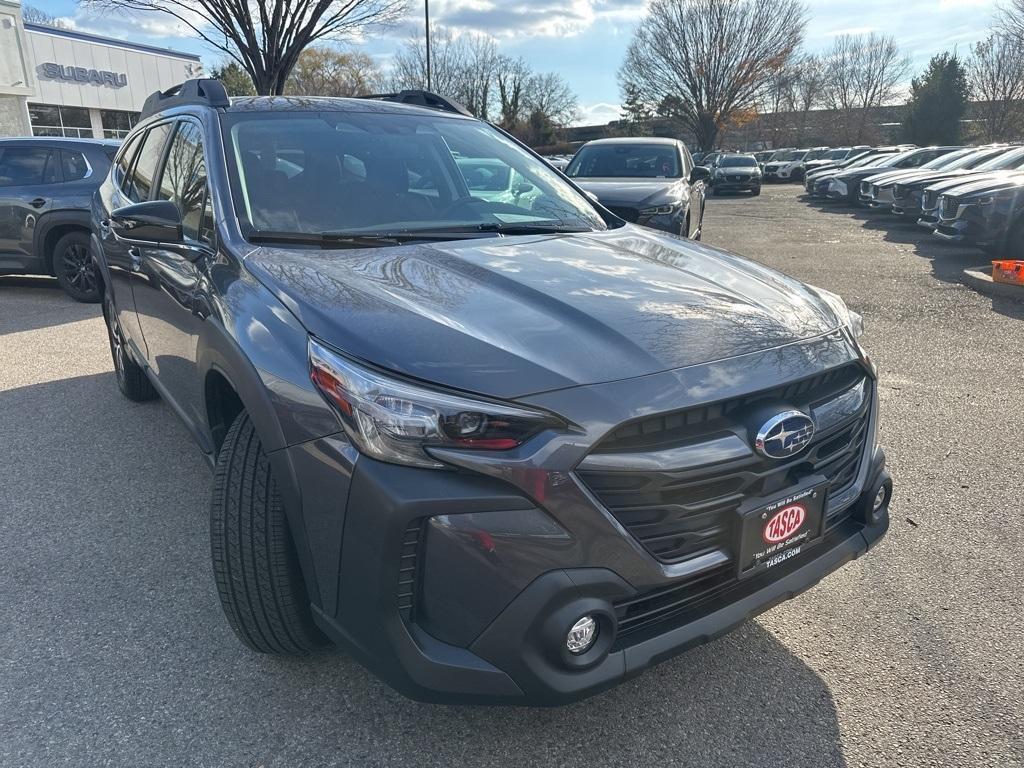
x=143, y=174
x=74, y=165
x=124, y=162
x=184, y=179
x=22, y=166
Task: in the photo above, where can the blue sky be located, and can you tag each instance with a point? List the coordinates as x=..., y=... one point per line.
x=584, y=40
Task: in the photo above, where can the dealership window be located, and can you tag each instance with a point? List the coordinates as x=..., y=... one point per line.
x=55, y=120
x=116, y=123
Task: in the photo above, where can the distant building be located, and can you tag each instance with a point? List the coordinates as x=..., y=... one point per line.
x=60, y=82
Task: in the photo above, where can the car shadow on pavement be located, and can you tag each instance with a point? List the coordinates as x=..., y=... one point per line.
x=948, y=260
x=27, y=304
x=116, y=650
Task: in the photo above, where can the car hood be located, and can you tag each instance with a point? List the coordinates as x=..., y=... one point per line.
x=513, y=316
x=632, y=191
x=898, y=176
x=979, y=180
x=858, y=174
x=991, y=184
x=925, y=179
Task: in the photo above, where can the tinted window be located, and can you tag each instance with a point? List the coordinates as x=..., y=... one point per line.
x=737, y=162
x=184, y=178
x=144, y=172
x=323, y=172
x=124, y=162
x=21, y=166
x=74, y=165
x=626, y=161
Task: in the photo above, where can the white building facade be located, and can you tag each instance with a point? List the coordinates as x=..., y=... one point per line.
x=60, y=82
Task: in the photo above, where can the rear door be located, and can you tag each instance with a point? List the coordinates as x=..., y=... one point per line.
x=29, y=179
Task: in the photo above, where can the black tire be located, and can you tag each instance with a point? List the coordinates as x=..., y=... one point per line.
x=74, y=269
x=755, y=192
x=131, y=379
x=1013, y=246
x=255, y=564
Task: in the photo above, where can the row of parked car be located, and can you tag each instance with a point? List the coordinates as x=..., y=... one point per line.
x=968, y=195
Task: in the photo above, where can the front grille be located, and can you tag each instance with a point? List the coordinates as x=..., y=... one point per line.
x=950, y=207
x=930, y=199
x=629, y=214
x=647, y=614
x=738, y=178
x=408, y=568
x=685, y=512
x=865, y=188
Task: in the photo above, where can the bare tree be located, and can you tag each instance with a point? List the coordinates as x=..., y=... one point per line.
x=513, y=79
x=461, y=68
x=266, y=36
x=322, y=71
x=713, y=59
x=808, y=91
x=33, y=15
x=862, y=73
x=996, y=72
x=550, y=95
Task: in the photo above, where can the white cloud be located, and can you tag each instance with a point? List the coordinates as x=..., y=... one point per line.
x=599, y=113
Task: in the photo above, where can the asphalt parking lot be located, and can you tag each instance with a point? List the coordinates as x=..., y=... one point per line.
x=114, y=651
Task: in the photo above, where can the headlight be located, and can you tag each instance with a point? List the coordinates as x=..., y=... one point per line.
x=663, y=210
x=395, y=420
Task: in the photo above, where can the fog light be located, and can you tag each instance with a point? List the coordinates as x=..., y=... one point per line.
x=582, y=635
x=880, y=498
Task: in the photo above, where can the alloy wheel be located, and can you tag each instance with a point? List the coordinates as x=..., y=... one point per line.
x=78, y=268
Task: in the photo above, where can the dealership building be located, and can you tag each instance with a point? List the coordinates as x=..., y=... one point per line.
x=61, y=82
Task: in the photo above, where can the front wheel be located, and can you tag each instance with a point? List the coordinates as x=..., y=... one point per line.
x=74, y=268
x=255, y=563
x=756, y=191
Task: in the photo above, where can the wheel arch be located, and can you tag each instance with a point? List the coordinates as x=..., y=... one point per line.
x=231, y=384
x=52, y=227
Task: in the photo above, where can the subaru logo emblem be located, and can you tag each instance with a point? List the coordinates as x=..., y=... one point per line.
x=784, y=435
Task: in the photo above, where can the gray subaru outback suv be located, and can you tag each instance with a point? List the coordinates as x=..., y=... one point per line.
x=504, y=448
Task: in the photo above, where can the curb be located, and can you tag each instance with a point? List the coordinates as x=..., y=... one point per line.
x=980, y=278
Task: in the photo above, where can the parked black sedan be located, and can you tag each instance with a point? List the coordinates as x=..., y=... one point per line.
x=986, y=213
x=909, y=194
x=846, y=185
x=647, y=181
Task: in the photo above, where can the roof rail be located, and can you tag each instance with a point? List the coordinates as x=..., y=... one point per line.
x=422, y=99
x=207, y=92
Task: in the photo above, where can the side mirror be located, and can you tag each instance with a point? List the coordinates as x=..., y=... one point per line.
x=155, y=221
x=594, y=198
x=700, y=173
x=523, y=187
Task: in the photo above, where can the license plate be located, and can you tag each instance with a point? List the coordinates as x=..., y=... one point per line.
x=772, y=533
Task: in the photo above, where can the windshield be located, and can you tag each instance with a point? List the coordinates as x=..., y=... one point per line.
x=737, y=161
x=626, y=161
x=947, y=160
x=814, y=154
x=788, y=157
x=319, y=173
x=838, y=154
x=1011, y=159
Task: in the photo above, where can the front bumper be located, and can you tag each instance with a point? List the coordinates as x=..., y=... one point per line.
x=460, y=585
x=518, y=657
x=973, y=224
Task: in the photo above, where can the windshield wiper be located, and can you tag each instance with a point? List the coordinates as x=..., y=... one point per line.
x=527, y=228
x=343, y=239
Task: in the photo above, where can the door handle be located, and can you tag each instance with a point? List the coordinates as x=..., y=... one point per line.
x=136, y=258
x=39, y=202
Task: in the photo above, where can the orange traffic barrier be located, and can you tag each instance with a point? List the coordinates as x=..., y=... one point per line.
x=1008, y=271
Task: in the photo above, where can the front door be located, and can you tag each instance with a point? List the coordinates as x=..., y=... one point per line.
x=166, y=292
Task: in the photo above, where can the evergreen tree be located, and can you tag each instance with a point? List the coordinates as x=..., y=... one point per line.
x=236, y=80
x=938, y=102
x=636, y=112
